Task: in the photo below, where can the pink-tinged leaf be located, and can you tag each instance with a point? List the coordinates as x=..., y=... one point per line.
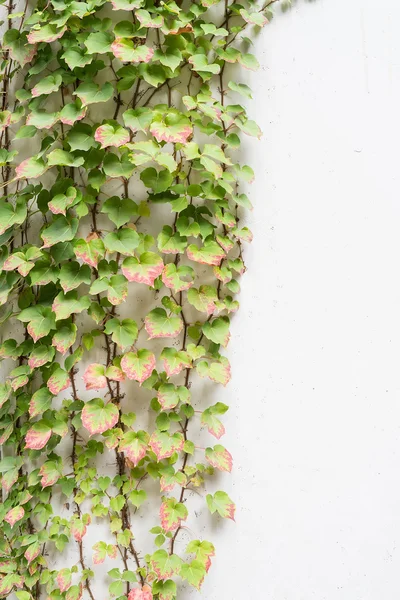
x=222, y=504
x=143, y=593
x=48, y=33
x=165, y=565
x=159, y=325
x=6, y=433
x=5, y=391
x=174, y=133
x=145, y=270
x=112, y=551
x=31, y=168
x=5, y=119
x=126, y=51
x=203, y=299
x=194, y=573
x=213, y=424
x=59, y=381
x=175, y=361
x=37, y=436
x=172, y=277
x=32, y=552
x=111, y=135
x=203, y=551
x=223, y=274
x=100, y=553
x=79, y=528
x=218, y=371
x=64, y=579
x=138, y=365
x=134, y=445
x=172, y=513
x=165, y=445
x=98, y=417
x=94, y=377
x=40, y=402
x=8, y=479
x=169, y=395
x=210, y=254
x=220, y=458
x=115, y=373
x=14, y=515
x=76, y=115
x=64, y=338
x=50, y=473
x=40, y=356
x=91, y=250
x=225, y=243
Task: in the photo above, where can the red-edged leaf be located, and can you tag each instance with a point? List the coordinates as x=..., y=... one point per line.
x=64, y=578
x=145, y=270
x=138, y=365
x=59, y=381
x=143, y=593
x=126, y=51
x=14, y=515
x=134, y=445
x=32, y=552
x=159, y=325
x=172, y=513
x=50, y=473
x=220, y=458
x=164, y=445
x=37, y=436
x=98, y=417
x=94, y=377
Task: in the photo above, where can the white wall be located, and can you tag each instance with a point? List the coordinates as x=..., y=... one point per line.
x=315, y=419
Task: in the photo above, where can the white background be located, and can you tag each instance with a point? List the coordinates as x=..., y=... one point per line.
x=315, y=421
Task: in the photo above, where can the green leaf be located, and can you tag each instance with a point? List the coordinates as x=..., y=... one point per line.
x=47, y=85
x=138, y=119
x=222, y=504
x=158, y=181
x=143, y=270
x=91, y=93
x=125, y=241
x=194, y=573
x=217, y=330
x=172, y=513
x=124, y=333
x=138, y=365
x=62, y=229
x=134, y=445
x=40, y=319
x=165, y=565
x=119, y=210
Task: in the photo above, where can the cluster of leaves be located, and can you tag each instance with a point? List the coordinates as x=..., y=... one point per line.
x=99, y=97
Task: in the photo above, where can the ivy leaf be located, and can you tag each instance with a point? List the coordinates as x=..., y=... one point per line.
x=38, y=436
x=159, y=325
x=126, y=51
x=178, y=278
x=14, y=515
x=63, y=158
x=204, y=298
x=143, y=270
x=40, y=319
x=17, y=44
x=98, y=417
x=165, y=445
x=166, y=590
x=203, y=550
x=138, y=365
x=47, y=85
x=143, y=593
x=222, y=504
x=217, y=330
x=194, y=573
x=76, y=57
x=124, y=333
x=91, y=93
x=58, y=381
x=170, y=242
x=172, y=513
x=124, y=241
x=31, y=168
x=175, y=361
x=66, y=304
x=72, y=275
x=98, y=42
x=50, y=472
x=64, y=337
x=220, y=458
x=72, y=112
x=169, y=396
x=213, y=424
x=201, y=64
x=138, y=119
x=158, y=181
x=91, y=250
x=64, y=578
x=134, y=445
x=218, y=371
x=119, y=210
x=47, y=33
x=111, y=134
x=171, y=126
x=165, y=565
x=94, y=377
x=210, y=254
x=117, y=289
x=62, y=229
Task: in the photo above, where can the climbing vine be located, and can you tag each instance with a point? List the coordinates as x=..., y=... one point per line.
x=121, y=247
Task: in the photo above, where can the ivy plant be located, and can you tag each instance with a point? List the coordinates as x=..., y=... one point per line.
x=121, y=234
